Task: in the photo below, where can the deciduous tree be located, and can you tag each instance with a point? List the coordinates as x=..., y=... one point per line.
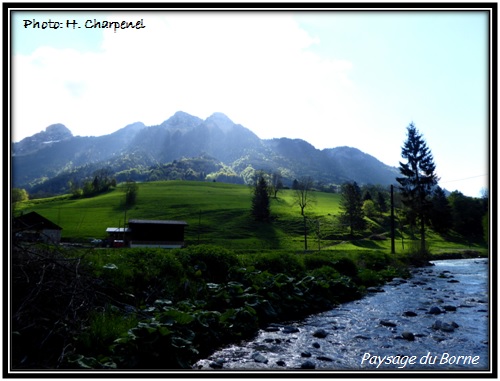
x=303, y=197
x=19, y=194
x=303, y=193
x=131, y=191
x=276, y=183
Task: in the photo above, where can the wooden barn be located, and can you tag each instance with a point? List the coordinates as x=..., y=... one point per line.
x=149, y=233
x=34, y=227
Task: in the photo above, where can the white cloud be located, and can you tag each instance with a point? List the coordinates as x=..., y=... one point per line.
x=254, y=67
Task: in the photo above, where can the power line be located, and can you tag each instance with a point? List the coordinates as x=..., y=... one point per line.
x=465, y=178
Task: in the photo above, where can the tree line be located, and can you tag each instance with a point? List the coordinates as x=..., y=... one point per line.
x=419, y=202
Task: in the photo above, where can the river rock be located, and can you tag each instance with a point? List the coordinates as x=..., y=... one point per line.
x=315, y=345
x=280, y=363
x=408, y=336
x=271, y=329
x=434, y=310
x=437, y=324
x=387, y=323
x=305, y=354
x=409, y=313
x=419, y=283
x=289, y=329
x=399, y=280
x=320, y=333
x=258, y=357
x=453, y=281
x=217, y=364
x=375, y=289
x=362, y=337
x=308, y=365
x=444, y=327
x=449, y=308
x=325, y=358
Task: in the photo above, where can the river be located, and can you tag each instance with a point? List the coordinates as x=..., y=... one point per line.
x=436, y=320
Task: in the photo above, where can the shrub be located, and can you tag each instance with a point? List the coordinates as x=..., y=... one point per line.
x=369, y=278
x=346, y=266
x=316, y=261
x=417, y=255
x=374, y=260
x=325, y=273
x=276, y=263
x=211, y=262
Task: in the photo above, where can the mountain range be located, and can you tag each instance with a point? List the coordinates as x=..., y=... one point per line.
x=183, y=147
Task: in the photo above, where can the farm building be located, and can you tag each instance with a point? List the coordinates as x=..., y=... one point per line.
x=149, y=233
x=34, y=227
x=118, y=237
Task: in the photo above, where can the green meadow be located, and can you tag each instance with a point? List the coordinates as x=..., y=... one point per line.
x=219, y=213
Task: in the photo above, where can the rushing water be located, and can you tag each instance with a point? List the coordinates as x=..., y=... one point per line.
x=393, y=329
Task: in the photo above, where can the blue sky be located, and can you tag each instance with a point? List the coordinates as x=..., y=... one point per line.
x=332, y=78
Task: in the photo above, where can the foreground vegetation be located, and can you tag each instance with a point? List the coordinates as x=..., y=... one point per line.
x=164, y=309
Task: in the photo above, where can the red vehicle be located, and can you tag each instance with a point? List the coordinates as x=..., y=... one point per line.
x=118, y=243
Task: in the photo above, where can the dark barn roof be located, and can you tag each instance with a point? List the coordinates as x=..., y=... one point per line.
x=34, y=221
x=158, y=222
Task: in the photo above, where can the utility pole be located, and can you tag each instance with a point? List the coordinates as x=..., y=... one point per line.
x=124, y=223
x=305, y=233
x=199, y=226
x=393, y=246
x=319, y=236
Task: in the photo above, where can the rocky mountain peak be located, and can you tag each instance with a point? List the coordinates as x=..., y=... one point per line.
x=52, y=134
x=220, y=120
x=182, y=120
x=56, y=132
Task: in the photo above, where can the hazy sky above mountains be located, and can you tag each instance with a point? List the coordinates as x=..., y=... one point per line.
x=331, y=78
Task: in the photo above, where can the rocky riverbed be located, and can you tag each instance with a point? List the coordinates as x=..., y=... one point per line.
x=437, y=320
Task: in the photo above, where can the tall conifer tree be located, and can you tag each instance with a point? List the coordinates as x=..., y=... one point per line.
x=418, y=179
x=351, y=205
x=260, y=201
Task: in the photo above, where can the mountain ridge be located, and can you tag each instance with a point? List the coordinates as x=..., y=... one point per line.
x=147, y=153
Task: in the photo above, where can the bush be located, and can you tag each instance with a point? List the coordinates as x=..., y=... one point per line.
x=325, y=273
x=316, y=261
x=369, y=278
x=417, y=255
x=210, y=262
x=374, y=260
x=346, y=266
x=276, y=263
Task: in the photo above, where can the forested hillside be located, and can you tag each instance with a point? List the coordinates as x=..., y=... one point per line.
x=183, y=147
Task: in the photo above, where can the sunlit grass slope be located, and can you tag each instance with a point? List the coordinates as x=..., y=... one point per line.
x=217, y=213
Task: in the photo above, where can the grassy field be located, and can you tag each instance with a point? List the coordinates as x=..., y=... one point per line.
x=219, y=213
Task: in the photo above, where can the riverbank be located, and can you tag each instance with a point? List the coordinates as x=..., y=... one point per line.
x=463, y=254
